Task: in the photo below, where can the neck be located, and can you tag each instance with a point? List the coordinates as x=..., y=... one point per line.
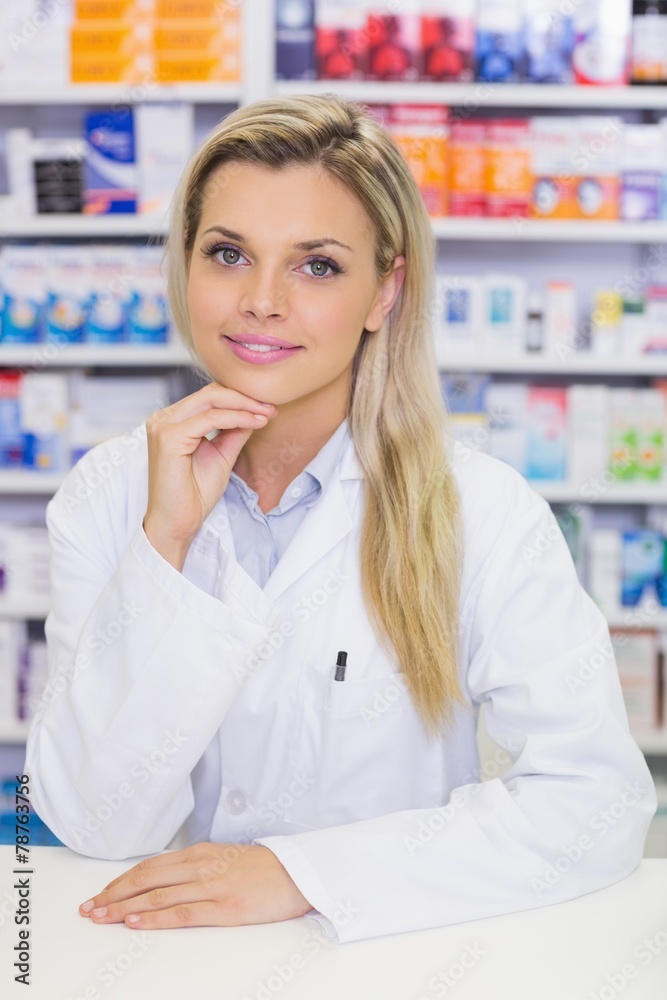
x=279, y=452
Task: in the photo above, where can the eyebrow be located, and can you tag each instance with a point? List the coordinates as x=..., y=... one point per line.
x=303, y=245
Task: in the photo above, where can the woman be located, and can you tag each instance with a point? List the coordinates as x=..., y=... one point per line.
x=309, y=501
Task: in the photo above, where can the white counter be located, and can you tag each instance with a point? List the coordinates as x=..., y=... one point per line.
x=608, y=943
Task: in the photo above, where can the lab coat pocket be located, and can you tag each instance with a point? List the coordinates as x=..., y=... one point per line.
x=358, y=750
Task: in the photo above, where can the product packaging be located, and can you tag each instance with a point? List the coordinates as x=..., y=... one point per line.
x=507, y=406
x=606, y=323
x=651, y=444
x=624, y=433
x=448, y=39
x=465, y=397
x=633, y=326
x=102, y=407
x=147, y=318
x=12, y=442
x=601, y=52
x=111, y=51
x=164, y=142
x=644, y=155
x=642, y=557
x=341, y=40
x=460, y=307
x=551, y=140
x=110, y=169
x=504, y=320
x=394, y=41
x=636, y=655
x=649, y=42
x=548, y=31
x=67, y=293
x=111, y=282
x=604, y=579
x=546, y=451
x=22, y=270
x=43, y=407
x=560, y=319
x=597, y=162
x=588, y=438
x=466, y=168
x=508, y=179
x=295, y=40
x=499, y=41
x=422, y=133
x=656, y=319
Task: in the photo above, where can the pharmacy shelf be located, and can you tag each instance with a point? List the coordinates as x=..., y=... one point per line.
x=447, y=228
x=73, y=224
x=637, y=617
x=576, y=363
x=125, y=93
x=19, y=482
x=480, y=94
x=621, y=493
x=36, y=608
x=42, y=355
x=521, y=230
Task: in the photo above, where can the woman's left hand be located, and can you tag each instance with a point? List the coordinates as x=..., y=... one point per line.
x=220, y=885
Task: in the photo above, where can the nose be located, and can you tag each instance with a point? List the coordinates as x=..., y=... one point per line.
x=264, y=294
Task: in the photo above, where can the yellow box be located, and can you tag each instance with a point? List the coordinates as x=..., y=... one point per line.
x=111, y=69
x=195, y=36
x=197, y=67
x=107, y=38
x=224, y=10
x=112, y=10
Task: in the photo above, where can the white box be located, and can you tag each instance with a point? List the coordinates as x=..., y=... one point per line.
x=164, y=135
x=636, y=654
x=505, y=314
x=459, y=311
x=604, y=577
x=588, y=433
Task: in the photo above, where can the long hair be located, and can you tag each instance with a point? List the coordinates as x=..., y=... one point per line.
x=411, y=550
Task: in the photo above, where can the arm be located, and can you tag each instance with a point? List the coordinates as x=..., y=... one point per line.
x=141, y=668
x=571, y=814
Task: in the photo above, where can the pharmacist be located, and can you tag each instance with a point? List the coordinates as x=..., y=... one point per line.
x=209, y=567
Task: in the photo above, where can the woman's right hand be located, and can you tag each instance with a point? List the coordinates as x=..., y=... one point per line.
x=187, y=474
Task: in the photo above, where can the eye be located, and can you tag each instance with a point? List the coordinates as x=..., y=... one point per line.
x=323, y=262
x=219, y=251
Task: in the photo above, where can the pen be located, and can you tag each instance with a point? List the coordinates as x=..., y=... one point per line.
x=340, y=666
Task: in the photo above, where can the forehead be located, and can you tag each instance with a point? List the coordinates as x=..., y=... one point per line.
x=304, y=200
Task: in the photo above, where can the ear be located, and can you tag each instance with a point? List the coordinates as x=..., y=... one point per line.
x=385, y=296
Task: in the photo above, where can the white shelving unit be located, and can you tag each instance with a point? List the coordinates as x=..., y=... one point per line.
x=258, y=82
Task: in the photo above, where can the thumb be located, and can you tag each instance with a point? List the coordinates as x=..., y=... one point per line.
x=228, y=444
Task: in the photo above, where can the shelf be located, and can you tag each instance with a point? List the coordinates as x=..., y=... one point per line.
x=43, y=354
x=630, y=616
x=520, y=230
x=37, y=608
x=126, y=93
x=480, y=94
x=578, y=363
x=74, y=224
x=639, y=493
x=20, y=482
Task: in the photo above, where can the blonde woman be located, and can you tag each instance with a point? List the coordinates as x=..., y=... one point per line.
x=210, y=567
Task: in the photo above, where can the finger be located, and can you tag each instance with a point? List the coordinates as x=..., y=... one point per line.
x=213, y=393
x=161, y=898
x=192, y=430
x=136, y=883
x=200, y=914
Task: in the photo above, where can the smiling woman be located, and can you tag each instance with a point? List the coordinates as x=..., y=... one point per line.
x=308, y=506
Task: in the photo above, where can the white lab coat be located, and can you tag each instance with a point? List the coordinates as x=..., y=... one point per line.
x=199, y=699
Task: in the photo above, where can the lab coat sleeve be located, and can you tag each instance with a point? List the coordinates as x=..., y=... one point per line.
x=141, y=668
x=569, y=816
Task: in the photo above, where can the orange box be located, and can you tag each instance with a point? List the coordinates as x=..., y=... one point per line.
x=466, y=168
x=109, y=40
x=597, y=162
x=195, y=36
x=507, y=167
x=197, y=67
x=111, y=69
x=422, y=134
x=113, y=10
x=188, y=9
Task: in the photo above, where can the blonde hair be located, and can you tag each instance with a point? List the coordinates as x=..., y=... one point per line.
x=411, y=551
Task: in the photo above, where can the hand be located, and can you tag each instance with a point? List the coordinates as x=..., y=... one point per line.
x=187, y=473
x=220, y=885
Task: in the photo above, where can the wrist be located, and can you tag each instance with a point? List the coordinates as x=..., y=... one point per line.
x=172, y=550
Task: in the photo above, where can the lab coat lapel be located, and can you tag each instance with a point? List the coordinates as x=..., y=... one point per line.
x=324, y=525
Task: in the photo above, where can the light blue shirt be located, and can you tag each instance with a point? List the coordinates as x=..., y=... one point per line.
x=260, y=539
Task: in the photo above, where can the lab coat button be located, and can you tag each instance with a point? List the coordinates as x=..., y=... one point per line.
x=296, y=492
x=235, y=802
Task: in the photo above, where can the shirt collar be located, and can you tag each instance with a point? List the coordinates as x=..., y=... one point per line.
x=322, y=466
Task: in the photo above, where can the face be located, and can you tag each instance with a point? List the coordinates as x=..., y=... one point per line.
x=286, y=254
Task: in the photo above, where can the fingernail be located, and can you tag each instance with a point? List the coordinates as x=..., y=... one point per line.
x=260, y=416
x=87, y=906
x=101, y=911
x=132, y=918
x=267, y=404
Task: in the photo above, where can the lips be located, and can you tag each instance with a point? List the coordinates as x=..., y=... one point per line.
x=253, y=338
